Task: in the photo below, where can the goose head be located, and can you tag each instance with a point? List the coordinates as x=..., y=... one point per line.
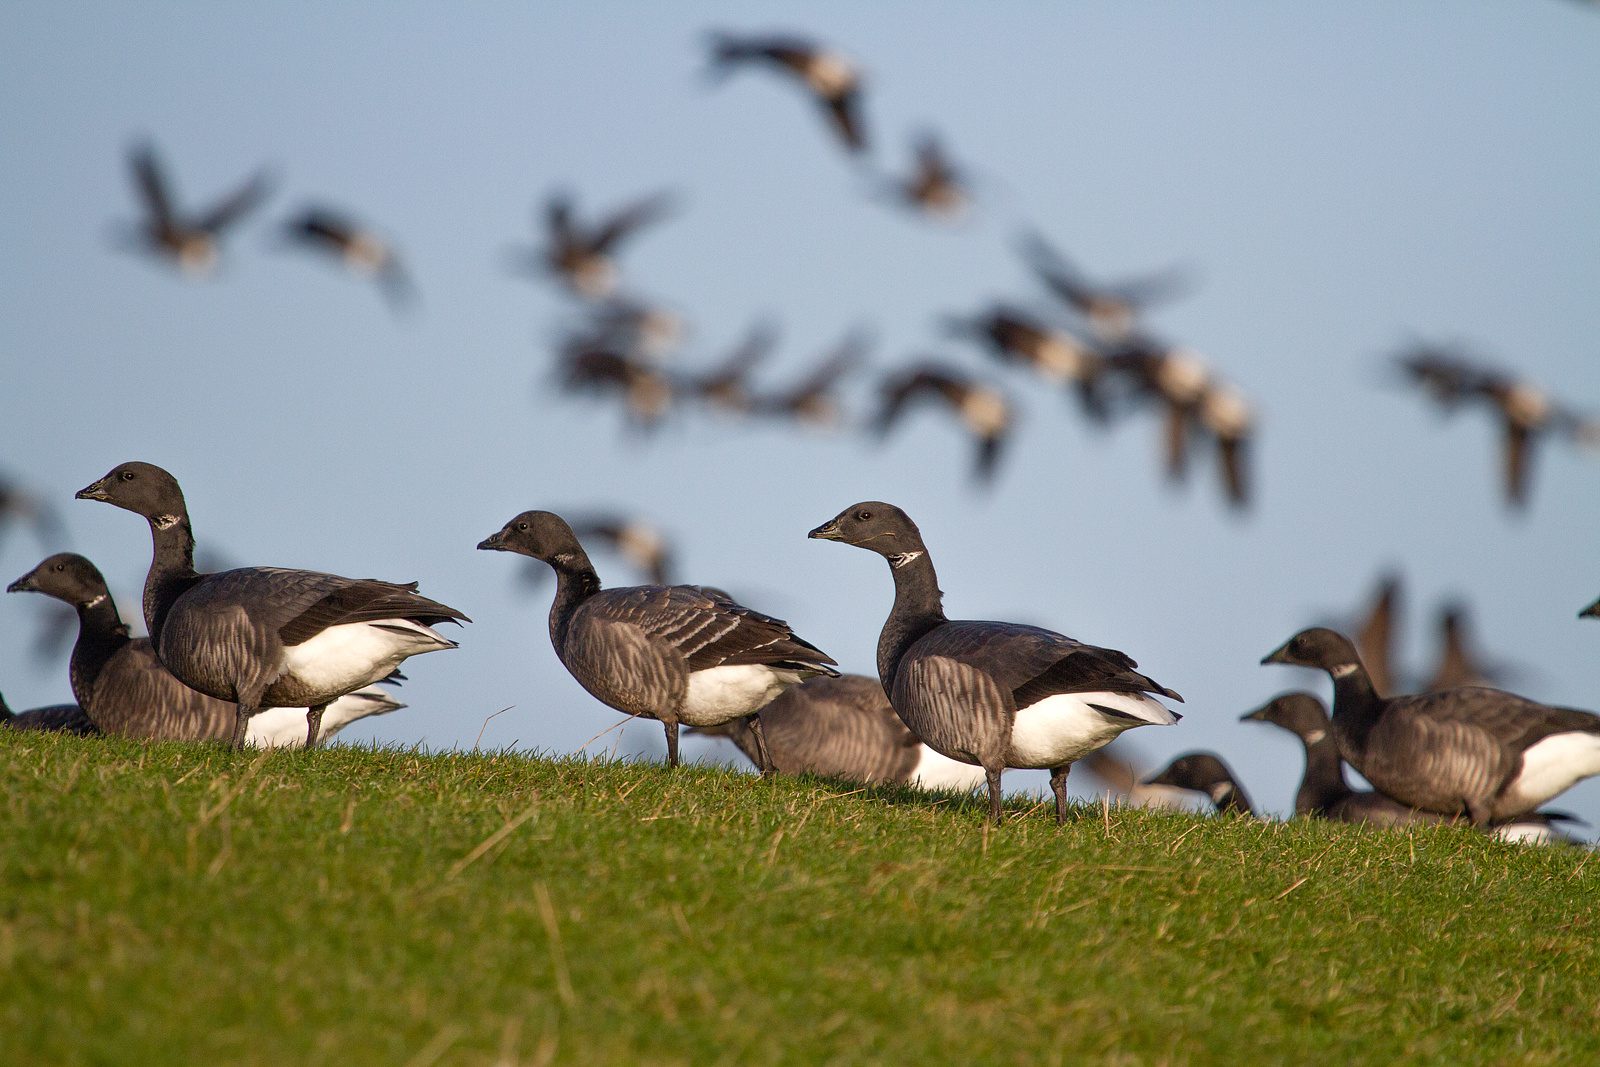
x=142, y=488
x=541, y=534
x=66, y=576
x=876, y=527
x=1300, y=713
x=1317, y=647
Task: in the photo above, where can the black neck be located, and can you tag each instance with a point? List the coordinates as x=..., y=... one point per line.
x=1324, y=783
x=1356, y=705
x=576, y=582
x=918, y=608
x=1234, y=799
x=101, y=635
x=171, y=572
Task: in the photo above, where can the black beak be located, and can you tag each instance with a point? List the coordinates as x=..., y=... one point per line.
x=1590, y=612
x=828, y=531
x=1259, y=715
x=1278, y=655
x=496, y=540
x=97, y=491
x=22, y=585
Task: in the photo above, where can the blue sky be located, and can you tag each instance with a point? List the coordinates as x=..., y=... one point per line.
x=1340, y=177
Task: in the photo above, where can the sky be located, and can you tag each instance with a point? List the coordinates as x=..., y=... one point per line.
x=1338, y=178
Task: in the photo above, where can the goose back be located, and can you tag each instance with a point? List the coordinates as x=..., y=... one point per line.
x=53, y=718
x=835, y=727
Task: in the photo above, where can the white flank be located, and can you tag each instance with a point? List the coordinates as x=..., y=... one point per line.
x=286, y=727
x=721, y=694
x=934, y=771
x=1553, y=766
x=1530, y=833
x=1063, y=728
x=342, y=659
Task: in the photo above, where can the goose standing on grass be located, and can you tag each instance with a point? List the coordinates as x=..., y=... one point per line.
x=1205, y=772
x=679, y=654
x=286, y=727
x=55, y=718
x=1484, y=753
x=845, y=728
x=994, y=694
x=124, y=690
x=266, y=637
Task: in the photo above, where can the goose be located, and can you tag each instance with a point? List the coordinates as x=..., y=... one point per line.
x=265, y=637
x=994, y=694
x=1375, y=633
x=679, y=654
x=935, y=186
x=1112, y=310
x=1014, y=336
x=1459, y=663
x=583, y=257
x=1205, y=772
x=1485, y=753
x=1116, y=769
x=286, y=727
x=1590, y=612
x=54, y=718
x=1176, y=380
x=1226, y=416
x=984, y=410
x=844, y=728
x=811, y=400
x=188, y=241
x=123, y=688
x=831, y=79
x=725, y=385
x=597, y=369
x=358, y=247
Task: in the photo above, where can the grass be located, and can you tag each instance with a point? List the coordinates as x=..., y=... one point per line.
x=185, y=904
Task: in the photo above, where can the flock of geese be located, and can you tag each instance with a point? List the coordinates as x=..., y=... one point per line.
x=251, y=655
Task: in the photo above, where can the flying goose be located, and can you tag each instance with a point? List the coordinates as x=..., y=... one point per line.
x=1014, y=336
x=984, y=410
x=1225, y=415
x=830, y=78
x=680, y=654
x=844, y=728
x=189, y=241
x=598, y=369
x=1112, y=310
x=994, y=694
x=122, y=687
x=1204, y=772
x=359, y=248
x=935, y=186
x=54, y=718
x=1176, y=380
x=265, y=637
x=1459, y=663
x=1484, y=753
x=811, y=399
x=584, y=257
x=725, y=385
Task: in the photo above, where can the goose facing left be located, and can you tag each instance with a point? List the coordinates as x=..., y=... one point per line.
x=266, y=637
x=994, y=694
x=680, y=654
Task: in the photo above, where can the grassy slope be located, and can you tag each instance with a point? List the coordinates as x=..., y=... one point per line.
x=183, y=904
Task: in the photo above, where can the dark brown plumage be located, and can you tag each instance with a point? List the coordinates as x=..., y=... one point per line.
x=1205, y=772
x=1014, y=336
x=1112, y=310
x=935, y=186
x=831, y=79
x=584, y=257
x=188, y=241
x=983, y=410
x=812, y=399
x=726, y=385
x=55, y=718
x=598, y=369
x=358, y=248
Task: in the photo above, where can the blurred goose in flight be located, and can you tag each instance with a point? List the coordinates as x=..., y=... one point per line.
x=359, y=248
x=54, y=718
x=983, y=410
x=23, y=507
x=1111, y=310
x=121, y=685
x=935, y=186
x=641, y=543
x=188, y=241
x=265, y=637
x=844, y=728
x=994, y=694
x=812, y=399
x=1177, y=381
x=726, y=385
x=1459, y=662
x=1014, y=336
x=1226, y=418
x=831, y=79
x=1375, y=634
x=679, y=654
x=1205, y=772
x=584, y=257
x=646, y=330
x=598, y=369
x=1473, y=751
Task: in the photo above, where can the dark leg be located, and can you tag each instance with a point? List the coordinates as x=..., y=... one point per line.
x=672, y=743
x=1478, y=812
x=241, y=723
x=1058, y=786
x=314, y=724
x=994, y=794
x=767, y=769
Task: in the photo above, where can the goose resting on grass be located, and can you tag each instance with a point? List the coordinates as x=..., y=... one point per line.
x=122, y=688
x=266, y=637
x=1474, y=751
x=844, y=728
x=679, y=654
x=1204, y=772
x=55, y=718
x=994, y=694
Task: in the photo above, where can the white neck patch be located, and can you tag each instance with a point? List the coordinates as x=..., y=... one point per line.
x=164, y=522
x=1343, y=670
x=1315, y=735
x=95, y=601
x=1220, y=790
x=900, y=559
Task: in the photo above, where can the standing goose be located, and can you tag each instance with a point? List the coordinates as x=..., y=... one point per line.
x=844, y=728
x=55, y=718
x=285, y=727
x=266, y=637
x=679, y=654
x=1485, y=753
x=994, y=694
x=124, y=690
x=1204, y=772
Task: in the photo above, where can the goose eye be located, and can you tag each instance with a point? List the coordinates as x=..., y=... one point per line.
x=127, y=476
x=863, y=515
x=522, y=526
